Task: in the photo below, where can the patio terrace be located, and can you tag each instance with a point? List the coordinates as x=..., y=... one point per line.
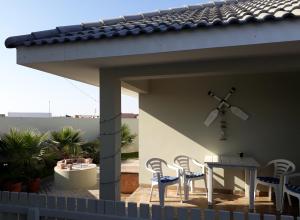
x=198, y=199
x=226, y=202
x=173, y=74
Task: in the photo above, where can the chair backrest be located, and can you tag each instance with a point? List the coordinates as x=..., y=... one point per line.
x=156, y=164
x=282, y=167
x=183, y=161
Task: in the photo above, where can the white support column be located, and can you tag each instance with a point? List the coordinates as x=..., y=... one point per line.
x=110, y=125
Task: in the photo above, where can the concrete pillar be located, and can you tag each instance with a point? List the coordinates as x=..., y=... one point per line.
x=110, y=125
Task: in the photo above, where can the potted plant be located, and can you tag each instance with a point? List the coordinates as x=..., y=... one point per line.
x=23, y=153
x=10, y=179
x=14, y=181
x=3, y=165
x=34, y=181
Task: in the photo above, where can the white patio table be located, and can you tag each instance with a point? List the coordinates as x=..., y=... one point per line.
x=247, y=163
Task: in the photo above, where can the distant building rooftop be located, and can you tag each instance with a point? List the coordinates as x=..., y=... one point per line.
x=86, y=116
x=124, y=115
x=29, y=114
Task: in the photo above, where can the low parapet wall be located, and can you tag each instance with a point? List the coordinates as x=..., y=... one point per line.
x=89, y=126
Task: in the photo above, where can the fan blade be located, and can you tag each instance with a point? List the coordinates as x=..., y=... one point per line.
x=238, y=112
x=211, y=117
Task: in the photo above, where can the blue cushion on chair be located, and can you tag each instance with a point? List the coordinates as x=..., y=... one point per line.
x=293, y=188
x=166, y=179
x=193, y=175
x=268, y=179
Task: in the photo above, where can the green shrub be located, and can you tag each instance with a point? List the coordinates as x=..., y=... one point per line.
x=127, y=137
x=22, y=153
x=92, y=150
x=132, y=155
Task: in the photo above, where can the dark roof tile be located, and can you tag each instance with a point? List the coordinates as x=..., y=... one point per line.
x=71, y=28
x=92, y=25
x=113, y=21
x=44, y=34
x=194, y=7
x=150, y=14
x=189, y=17
x=133, y=17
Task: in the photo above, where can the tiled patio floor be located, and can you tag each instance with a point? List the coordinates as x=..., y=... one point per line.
x=141, y=195
x=221, y=201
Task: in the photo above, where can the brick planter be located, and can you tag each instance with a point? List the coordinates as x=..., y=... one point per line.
x=129, y=182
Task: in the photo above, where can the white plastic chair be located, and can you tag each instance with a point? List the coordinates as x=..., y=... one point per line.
x=155, y=166
x=291, y=189
x=187, y=176
x=282, y=167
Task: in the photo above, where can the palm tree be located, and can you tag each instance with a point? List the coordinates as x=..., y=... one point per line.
x=68, y=141
x=22, y=151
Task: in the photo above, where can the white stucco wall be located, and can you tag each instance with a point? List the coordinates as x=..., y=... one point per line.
x=172, y=115
x=89, y=127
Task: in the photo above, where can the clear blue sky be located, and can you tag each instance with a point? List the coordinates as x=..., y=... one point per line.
x=26, y=90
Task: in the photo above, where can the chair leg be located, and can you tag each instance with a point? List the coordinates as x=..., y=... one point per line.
x=205, y=184
x=282, y=201
x=192, y=185
x=186, y=189
x=270, y=193
x=179, y=190
x=166, y=191
x=151, y=191
x=289, y=199
x=179, y=186
x=278, y=198
x=161, y=192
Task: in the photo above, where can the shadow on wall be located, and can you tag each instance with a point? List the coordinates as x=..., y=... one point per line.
x=174, y=112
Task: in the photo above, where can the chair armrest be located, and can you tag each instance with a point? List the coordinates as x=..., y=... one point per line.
x=293, y=175
x=202, y=166
x=287, y=177
x=175, y=167
x=150, y=170
x=180, y=170
x=155, y=174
